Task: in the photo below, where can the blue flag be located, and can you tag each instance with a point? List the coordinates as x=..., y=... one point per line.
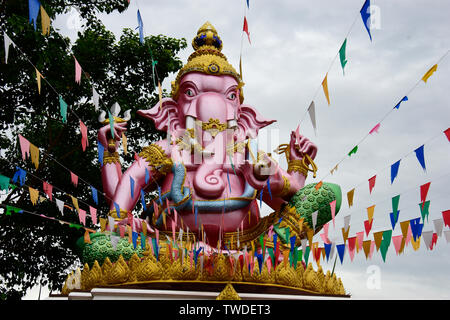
x=275, y=236
x=259, y=256
x=196, y=253
x=196, y=213
x=117, y=209
x=405, y=98
x=229, y=184
x=94, y=195
x=33, y=11
x=327, y=247
x=19, y=176
x=394, y=170
x=132, y=187
x=394, y=218
x=293, y=238
x=341, y=250
x=260, y=197
x=365, y=15
x=248, y=5
x=416, y=227
x=268, y=188
x=143, y=200
x=159, y=195
x=134, y=236
x=101, y=151
x=147, y=176
x=420, y=156
x=141, y=27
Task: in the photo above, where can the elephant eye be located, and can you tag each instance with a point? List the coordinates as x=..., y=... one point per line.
x=232, y=96
x=189, y=93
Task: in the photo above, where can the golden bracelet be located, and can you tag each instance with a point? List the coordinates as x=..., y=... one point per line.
x=113, y=213
x=109, y=157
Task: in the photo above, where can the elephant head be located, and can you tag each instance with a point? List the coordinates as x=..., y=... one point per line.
x=206, y=105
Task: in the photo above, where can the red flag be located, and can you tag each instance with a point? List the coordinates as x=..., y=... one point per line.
x=74, y=178
x=368, y=226
x=47, y=189
x=423, y=192
x=245, y=29
x=447, y=133
x=372, y=183
x=446, y=217
x=84, y=140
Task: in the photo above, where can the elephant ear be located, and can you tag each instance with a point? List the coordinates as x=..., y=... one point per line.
x=250, y=121
x=161, y=114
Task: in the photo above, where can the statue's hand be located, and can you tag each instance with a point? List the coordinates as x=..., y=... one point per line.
x=304, y=145
x=105, y=137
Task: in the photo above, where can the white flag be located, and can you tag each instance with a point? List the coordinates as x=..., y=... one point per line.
x=114, y=241
x=60, y=205
x=303, y=241
x=8, y=41
x=312, y=115
x=438, y=225
x=95, y=98
x=111, y=223
x=346, y=222
x=447, y=235
x=314, y=219
x=427, y=237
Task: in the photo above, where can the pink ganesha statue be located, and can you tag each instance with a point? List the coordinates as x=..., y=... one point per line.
x=208, y=177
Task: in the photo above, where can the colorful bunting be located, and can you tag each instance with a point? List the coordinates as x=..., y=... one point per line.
x=447, y=134
x=333, y=210
x=341, y=251
x=394, y=218
x=395, y=201
x=93, y=213
x=34, y=195
x=7, y=42
x=132, y=187
x=350, y=195
x=416, y=228
x=446, y=217
x=101, y=151
x=82, y=216
x=33, y=11
x=312, y=115
x=34, y=155
x=95, y=98
x=19, y=176
x=353, y=151
x=48, y=189
x=24, y=147
x=438, y=226
x=424, y=210
x=141, y=27
x=4, y=183
x=375, y=129
x=84, y=138
x=60, y=205
x=77, y=71
x=368, y=226
x=74, y=178
x=38, y=79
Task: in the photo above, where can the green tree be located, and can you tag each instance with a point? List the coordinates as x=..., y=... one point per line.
x=34, y=249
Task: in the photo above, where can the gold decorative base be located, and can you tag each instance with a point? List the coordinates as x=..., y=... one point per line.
x=139, y=272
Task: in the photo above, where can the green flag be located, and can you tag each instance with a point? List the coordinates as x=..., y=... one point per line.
x=306, y=256
x=111, y=123
x=342, y=55
x=353, y=151
x=425, y=210
x=63, y=109
x=395, y=201
x=4, y=183
x=10, y=209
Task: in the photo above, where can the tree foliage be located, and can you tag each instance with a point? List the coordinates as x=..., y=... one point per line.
x=33, y=249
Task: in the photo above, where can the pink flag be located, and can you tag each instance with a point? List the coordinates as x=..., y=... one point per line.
x=372, y=183
x=269, y=264
x=397, y=240
x=173, y=230
x=372, y=246
x=333, y=210
x=423, y=192
x=245, y=29
x=93, y=212
x=84, y=140
x=360, y=237
x=446, y=216
x=74, y=178
x=375, y=129
x=82, y=216
x=77, y=71
x=47, y=189
x=408, y=235
x=351, y=247
x=324, y=235
x=157, y=236
x=155, y=209
x=24, y=147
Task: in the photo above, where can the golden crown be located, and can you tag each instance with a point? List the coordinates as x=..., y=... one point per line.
x=207, y=58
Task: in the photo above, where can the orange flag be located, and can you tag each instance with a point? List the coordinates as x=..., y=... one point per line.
x=350, y=197
x=370, y=211
x=429, y=73
x=34, y=195
x=38, y=79
x=45, y=22
x=378, y=236
x=325, y=88
x=34, y=155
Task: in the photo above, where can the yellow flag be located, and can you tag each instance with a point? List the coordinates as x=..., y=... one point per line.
x=370, y=211
x=429, y=73
x=350, y=197
x=75, y=203
x=345, y=234
x=87, y=237
x=240, y=67
x=45, y=21
x=366, y=247
x=310, y=234
x=415, y=244
x=378, y=236
x=325, y=88
x=34, y=195
x=103, y=224
x=144, y=228
x=34, y=155
x=124, y=143
x=38, y=79
x=285, y=256
x=404, y=225
x=334, y=169
x=160, y=95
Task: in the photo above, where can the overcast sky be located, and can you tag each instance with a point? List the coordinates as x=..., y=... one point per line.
x=293, y=44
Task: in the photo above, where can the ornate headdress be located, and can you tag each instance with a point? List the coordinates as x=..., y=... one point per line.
x=207, y=58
